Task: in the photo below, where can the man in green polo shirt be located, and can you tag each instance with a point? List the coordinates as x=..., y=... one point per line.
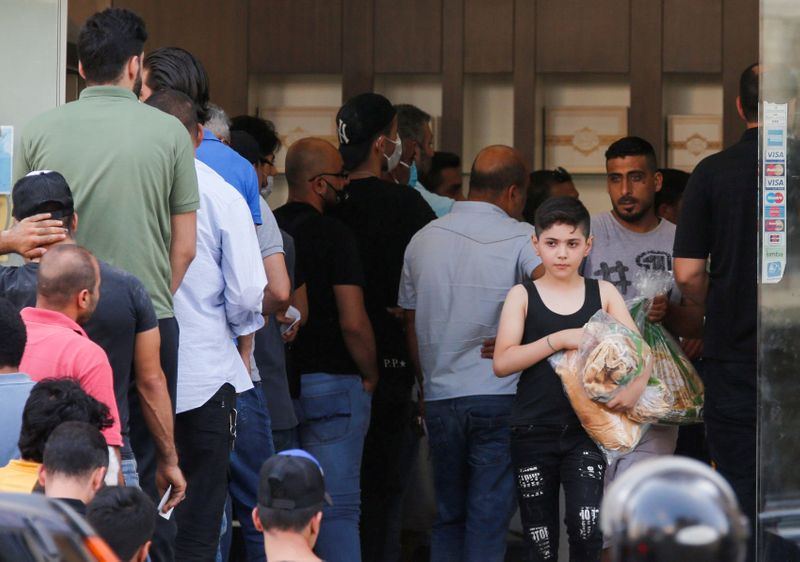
x=131, y=169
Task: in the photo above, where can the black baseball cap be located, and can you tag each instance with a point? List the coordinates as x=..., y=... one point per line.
x=358, y=122
x=39, y=192
x=290, y=480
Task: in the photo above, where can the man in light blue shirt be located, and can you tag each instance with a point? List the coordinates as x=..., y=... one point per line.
x=14, y=386
x=456, y=274
x=414, y=127
x=219, y=300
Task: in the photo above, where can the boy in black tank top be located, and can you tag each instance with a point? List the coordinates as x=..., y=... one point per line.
x=548, y=445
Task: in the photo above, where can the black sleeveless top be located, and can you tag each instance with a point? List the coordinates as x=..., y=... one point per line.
x=540, y=396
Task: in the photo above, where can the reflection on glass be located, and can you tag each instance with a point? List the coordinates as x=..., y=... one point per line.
x=779, y=304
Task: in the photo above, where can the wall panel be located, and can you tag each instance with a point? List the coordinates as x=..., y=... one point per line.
x=408, y=36
x=645, y=118
x=525, y=79
x=582, y=36
x=489, y=36
x=301, y=36
x=740, y=50
x=453, y=76
x=358, y=65
x=692, y=36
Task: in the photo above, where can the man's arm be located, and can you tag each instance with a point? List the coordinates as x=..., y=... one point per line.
x=157, y=411
x=277, y=293
x=357, y=332
x=29, y=237
x=692, y=279
x=183, y=246
x=244, y=344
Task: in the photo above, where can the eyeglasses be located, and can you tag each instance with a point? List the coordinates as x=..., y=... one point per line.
x=271, y=163
x=340, y=175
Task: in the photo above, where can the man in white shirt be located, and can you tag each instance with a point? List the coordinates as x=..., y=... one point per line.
x=219, y=300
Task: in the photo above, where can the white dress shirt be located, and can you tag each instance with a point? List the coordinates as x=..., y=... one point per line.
x=221, y=294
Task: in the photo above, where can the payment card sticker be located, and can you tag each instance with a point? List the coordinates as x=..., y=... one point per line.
x=773, y=189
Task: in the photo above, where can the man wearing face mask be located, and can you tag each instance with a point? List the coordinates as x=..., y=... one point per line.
x=334, y=354
x=384, y=217
x=414, y=126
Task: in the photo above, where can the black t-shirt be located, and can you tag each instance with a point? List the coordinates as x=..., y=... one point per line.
x=326, y=253
x=123, y=311
x=384, y=216
x=719, y=218
x=540, y=395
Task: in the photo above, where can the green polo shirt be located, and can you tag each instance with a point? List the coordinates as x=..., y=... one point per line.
x=130, y=166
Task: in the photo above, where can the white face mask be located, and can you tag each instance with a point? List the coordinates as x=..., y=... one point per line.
x=266, y=191
x=393, y=160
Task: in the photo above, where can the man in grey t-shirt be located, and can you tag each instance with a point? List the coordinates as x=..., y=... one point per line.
x=628, y=239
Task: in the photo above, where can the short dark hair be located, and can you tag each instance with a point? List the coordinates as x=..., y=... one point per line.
x=12, y=333
x=75, y=449
x=260, y=129
x=64, y=271
x=107, y=41
x=294, y=520
x=562, y=210
x=124, y=517
x=540, y=188
x=511, y=173
x=51, y=403
x=178, y=105
x=178, y=69
x=411, y=122
x=633, y=146
x=672, y=187
x=440, y=161
x=748, y=92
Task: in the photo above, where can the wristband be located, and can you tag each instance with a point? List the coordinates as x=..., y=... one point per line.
x=547, y=339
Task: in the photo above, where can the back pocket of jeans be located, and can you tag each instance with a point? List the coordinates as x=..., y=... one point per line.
x=326, y=417
x=491, y=439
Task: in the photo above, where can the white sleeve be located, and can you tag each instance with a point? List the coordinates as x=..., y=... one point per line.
x=242, y=269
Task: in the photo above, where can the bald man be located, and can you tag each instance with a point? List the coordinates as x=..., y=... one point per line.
x=456, y=274
x=67, y=293
x=334, y=354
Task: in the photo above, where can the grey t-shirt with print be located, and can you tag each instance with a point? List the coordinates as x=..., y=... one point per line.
x=618, y=253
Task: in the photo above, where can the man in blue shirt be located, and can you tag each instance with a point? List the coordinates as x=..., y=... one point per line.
x=177, y=69
x=15, y=386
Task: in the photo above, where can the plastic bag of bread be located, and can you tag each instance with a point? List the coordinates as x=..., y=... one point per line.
x=610, y=356
x=614, y=433
x=671, y=367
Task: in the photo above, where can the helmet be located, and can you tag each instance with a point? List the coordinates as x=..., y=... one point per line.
x=673, y=509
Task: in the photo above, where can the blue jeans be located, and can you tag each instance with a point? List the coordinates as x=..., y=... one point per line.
x=128, y=467
x=252, y=448
x=333, y=411
x=285, y=439
x=470, y=445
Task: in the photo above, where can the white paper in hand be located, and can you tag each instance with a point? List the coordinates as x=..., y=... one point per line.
x=295, y=315
x=163, y=502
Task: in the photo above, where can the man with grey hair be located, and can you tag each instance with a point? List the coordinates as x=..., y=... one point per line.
x=218, y=123
x=414, y=126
